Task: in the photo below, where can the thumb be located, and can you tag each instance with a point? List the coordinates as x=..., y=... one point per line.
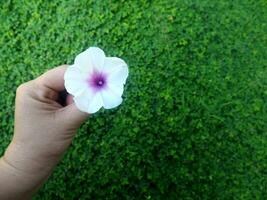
x=71, y=116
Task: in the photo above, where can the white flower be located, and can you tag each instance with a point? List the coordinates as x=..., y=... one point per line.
x=95, y=80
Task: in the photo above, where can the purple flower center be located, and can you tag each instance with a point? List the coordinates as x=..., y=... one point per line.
x=97, y=81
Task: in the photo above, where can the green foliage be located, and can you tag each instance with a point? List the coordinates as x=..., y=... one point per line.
x=193, y=124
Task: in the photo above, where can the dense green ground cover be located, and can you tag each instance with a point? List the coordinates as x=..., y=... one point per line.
x=193, y=124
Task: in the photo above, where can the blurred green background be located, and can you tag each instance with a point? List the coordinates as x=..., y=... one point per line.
x=193, y=124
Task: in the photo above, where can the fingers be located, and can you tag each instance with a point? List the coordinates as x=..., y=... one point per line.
x=69, y=99
x=53, y=79
x=72, y=115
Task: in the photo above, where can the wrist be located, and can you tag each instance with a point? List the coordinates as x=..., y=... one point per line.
x=21, y=174
x=16, y=184
x=26, y=160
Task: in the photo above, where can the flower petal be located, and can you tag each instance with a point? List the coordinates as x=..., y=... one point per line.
x=82, y=100
x=110, y=98
x=74, y=80
x=91, y=59
x=116, y=89
x=116, y=69
x=95, y=104
x=89, y=101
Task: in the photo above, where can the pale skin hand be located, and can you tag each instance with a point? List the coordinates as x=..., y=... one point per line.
x=43, y=131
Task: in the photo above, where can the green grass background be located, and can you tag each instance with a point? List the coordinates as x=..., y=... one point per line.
x=193, y=124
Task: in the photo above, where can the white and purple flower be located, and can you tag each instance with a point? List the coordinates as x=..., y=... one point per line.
x=95, y=80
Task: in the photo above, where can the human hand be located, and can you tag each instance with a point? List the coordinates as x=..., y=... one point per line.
x=43, y=131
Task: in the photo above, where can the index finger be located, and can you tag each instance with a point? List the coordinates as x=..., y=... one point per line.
x=53, y=79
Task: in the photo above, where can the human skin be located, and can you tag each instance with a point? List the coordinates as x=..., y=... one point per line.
x=43, y=131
